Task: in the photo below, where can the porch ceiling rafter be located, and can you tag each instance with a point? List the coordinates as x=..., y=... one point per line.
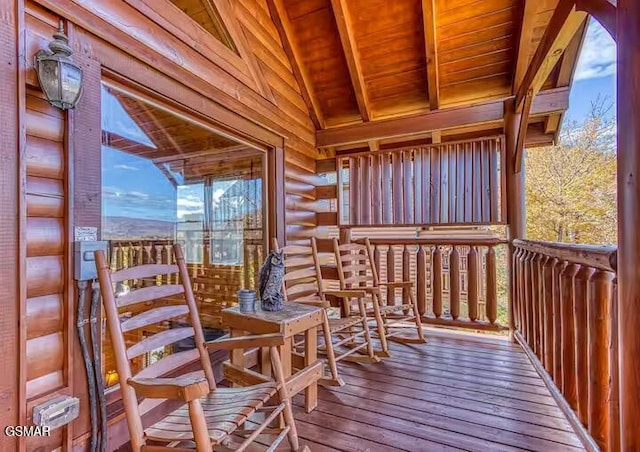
x=345, y=30
x=431, y=52
x=285, y=30
x=529, y=11
x=564, y=24
x=550, y=101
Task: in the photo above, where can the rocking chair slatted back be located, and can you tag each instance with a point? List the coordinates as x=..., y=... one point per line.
x=355, y=264
x=156, y=315
x=302, y=279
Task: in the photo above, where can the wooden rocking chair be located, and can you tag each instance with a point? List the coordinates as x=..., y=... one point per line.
x=210, y=417
x=345, y=338
x=357, y=271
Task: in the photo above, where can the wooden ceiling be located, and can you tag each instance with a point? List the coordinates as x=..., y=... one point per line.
x=361, y=61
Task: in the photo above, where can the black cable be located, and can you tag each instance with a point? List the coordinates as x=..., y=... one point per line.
x=97, y=364
x=81, y=321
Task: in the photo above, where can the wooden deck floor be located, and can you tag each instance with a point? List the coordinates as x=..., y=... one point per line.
x=457, y=392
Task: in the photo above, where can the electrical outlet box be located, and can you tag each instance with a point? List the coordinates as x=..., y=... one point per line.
x=84, y=261
x=56, y=412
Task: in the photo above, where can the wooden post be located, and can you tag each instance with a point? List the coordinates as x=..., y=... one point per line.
x=628, y=30
x=515, y=195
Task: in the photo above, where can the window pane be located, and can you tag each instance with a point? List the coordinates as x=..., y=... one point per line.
x=166, y=180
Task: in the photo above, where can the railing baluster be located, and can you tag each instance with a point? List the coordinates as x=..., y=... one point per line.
x=579, y=326
x=515, y=288
x=406, y=271
x=473, y=283
x=568, y=335
x=535, y=303
x=557, y=329
x=526, y=297
x=391, y=273
x=598, y=315
x=492, y=286
x=436, y=268
x=454, y=283
x=548, y=289
x=421, y=277
x=614, y=385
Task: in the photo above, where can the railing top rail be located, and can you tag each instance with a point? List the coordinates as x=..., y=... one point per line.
x=597, y=256
x=460, y=241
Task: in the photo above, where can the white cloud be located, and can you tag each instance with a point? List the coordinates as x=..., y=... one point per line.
x=126, y=167
x=598, y=56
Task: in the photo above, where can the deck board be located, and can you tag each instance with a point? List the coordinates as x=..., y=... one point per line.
x=457, y=392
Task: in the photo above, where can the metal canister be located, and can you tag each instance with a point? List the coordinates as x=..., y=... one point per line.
x=247, y=300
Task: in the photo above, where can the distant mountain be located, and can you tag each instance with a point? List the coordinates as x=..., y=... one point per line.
x=124, y=228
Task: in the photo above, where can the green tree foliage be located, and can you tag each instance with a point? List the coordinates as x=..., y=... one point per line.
x=571, y=187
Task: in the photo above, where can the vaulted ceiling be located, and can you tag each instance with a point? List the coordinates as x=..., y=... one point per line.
x=371, y=61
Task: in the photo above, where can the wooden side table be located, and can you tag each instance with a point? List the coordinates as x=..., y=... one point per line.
x=293, y=319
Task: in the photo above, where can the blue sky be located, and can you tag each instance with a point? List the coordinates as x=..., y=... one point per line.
x=595, y=73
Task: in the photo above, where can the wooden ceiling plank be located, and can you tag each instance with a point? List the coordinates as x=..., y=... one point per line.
x=564, y=24
x=431, y=52
x=527, y=25
x=285, y=30
x=345, y=30
x=546, y=102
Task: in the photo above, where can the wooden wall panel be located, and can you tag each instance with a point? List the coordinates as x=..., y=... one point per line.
x=44, y=232
x=10, y=139
x=448, y=184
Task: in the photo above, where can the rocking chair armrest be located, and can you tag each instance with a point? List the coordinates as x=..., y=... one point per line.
x=316, y=303
x=395, y=284
x=179, y=388
x=348, y=293
x=256, y=340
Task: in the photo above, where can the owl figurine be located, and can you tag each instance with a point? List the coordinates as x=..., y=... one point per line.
x=271, y=276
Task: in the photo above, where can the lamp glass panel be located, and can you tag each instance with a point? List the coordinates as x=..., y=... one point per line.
x=71, y=83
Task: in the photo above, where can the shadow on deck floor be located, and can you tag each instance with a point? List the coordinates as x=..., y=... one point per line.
x=457, y=392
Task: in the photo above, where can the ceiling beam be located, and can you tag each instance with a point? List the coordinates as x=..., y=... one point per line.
x=529, y=12
x=604, y=11
x=285, y=30
x=522, y=131
x=345, y=30
x=431, y=52
x=550, y=101
x=566, y=20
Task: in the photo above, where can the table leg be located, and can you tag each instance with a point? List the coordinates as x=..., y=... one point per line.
x=265, y=361
x=310, y=357
x=237, y=355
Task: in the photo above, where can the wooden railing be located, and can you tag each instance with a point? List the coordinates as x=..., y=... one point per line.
x=455, y=280
x=565, y=311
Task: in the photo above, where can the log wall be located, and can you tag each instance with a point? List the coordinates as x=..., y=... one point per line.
x=252, y=95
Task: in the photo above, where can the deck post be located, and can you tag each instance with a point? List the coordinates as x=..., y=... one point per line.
x=515, y=197
x=628, y=31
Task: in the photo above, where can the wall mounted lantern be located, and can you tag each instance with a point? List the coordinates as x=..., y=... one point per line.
x=59, y=77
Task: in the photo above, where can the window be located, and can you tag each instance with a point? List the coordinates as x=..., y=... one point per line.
x=168, y=180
